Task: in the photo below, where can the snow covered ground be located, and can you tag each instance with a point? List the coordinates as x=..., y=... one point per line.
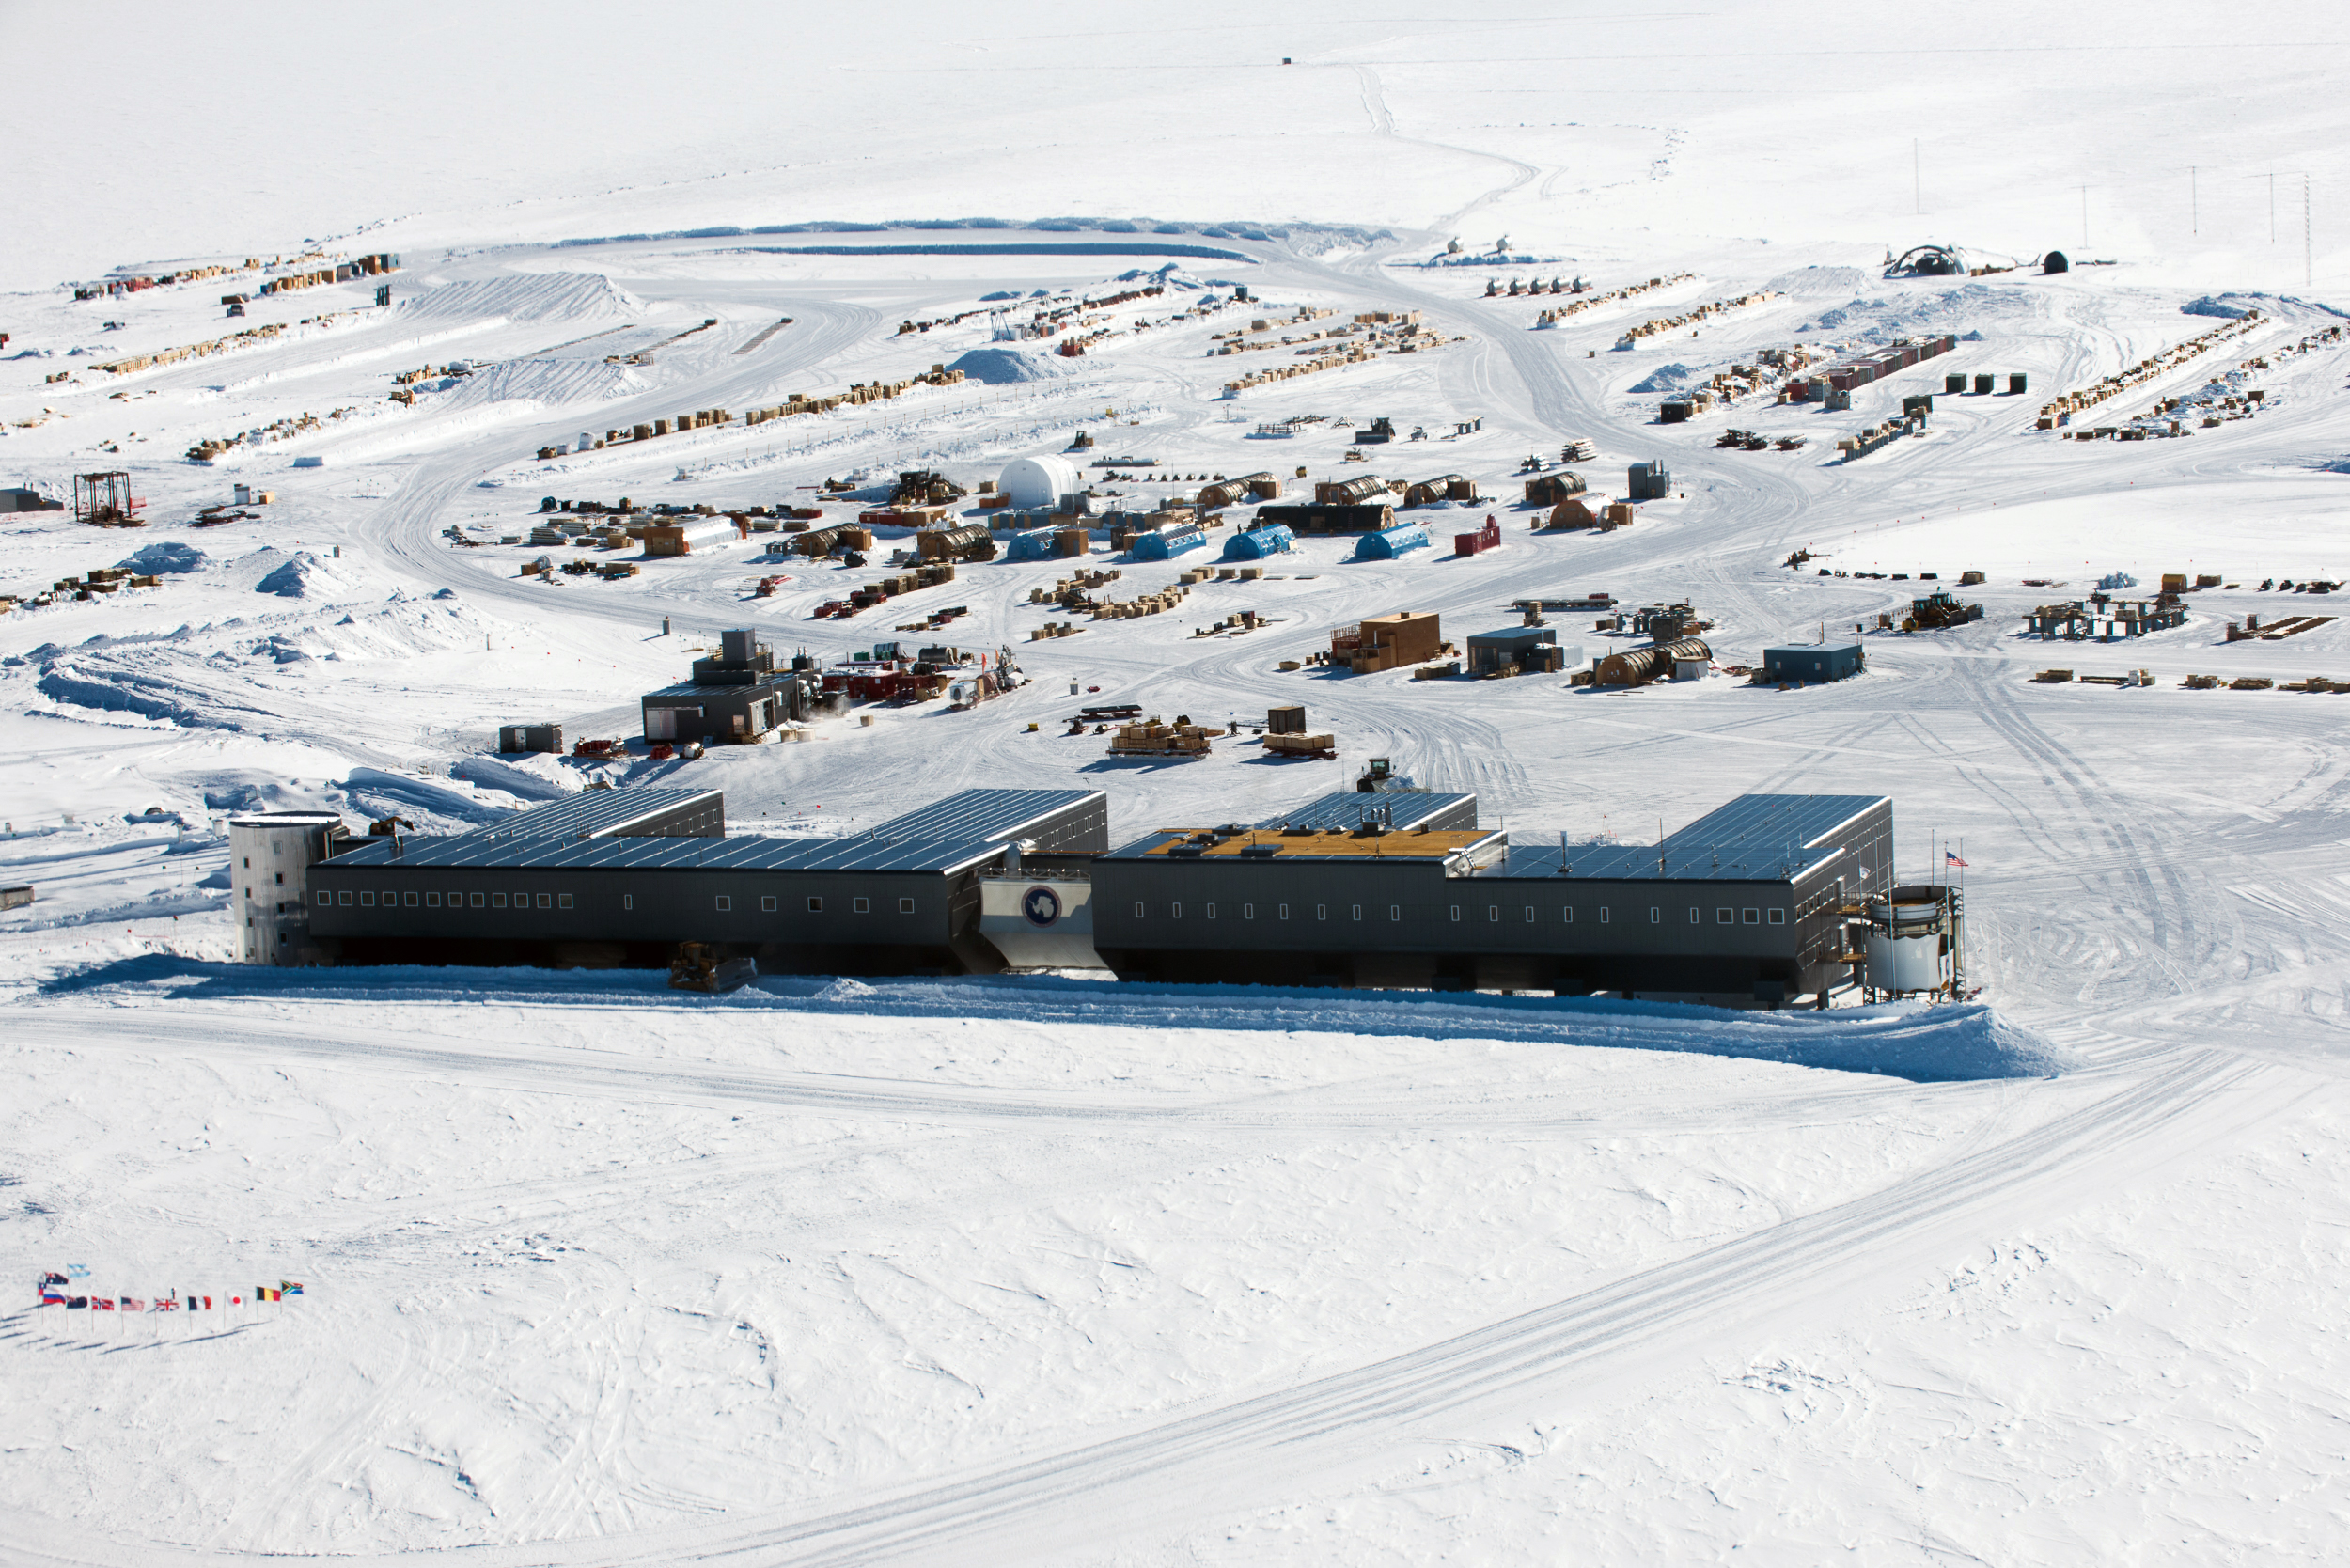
x=1034, y=1270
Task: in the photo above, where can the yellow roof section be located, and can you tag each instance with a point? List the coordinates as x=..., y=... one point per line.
x=1428, y=842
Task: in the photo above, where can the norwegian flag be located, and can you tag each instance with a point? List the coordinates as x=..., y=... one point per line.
x=101, y=1304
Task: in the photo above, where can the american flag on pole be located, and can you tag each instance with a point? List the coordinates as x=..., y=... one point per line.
x=1949, y=857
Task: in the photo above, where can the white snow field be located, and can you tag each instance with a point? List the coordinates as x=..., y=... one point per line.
x=1041, y=1269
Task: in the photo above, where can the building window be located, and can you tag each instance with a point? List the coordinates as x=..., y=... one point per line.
x=1696, y=917
x=1603, y=913
x=1726, y=916
x=1138, y=912
x=726, y=904
x=497, y=900
x=1655, y=915
x=281, y=879
x=562, y=901
x=1321, y=911
x=1174, y=911
x=367, y=901
x=1779, y=917
x=323, y=898
x=861, y=906
x=1753, y=916
x=1248, y=912
x=1493, y=912
x=432, y=901
x=1211, y=912
x=409, y=900
x=521, y=900
x=628, y=901
x=248, y=862
x=1566, y=913
x=766, y=904
x=815, y=906
x=475, y=901
x=1358, y=912
x=1456, y=911
x=1285, y=912
x=546, y=901
x=905, y=906
x=1530, y=914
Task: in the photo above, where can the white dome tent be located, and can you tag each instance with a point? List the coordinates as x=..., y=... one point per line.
x=1038, y=483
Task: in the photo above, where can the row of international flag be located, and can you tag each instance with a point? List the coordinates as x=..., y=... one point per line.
x=56, y=1290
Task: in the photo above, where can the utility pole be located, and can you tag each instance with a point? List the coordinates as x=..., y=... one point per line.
x=2194, y=217
x=1917, y=181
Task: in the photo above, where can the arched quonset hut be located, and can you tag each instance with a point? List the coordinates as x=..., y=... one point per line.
x=1387, y=543
x=1254, y=545
x=1038, y=483
x=1166, y=542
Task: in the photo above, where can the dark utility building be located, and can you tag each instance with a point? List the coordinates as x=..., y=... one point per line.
x=1329, y=518
x=1820, y=663
x=738, y=695
x=1531, y=648
x=621, y=876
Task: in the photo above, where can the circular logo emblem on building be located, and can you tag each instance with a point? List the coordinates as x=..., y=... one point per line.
x=1041, y=905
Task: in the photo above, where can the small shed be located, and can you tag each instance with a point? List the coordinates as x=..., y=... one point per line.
x=1824, y=662
x=530, y=737
x=1254, y=544
x=1388, y=544
x=1428, y=493
x=1574, y=512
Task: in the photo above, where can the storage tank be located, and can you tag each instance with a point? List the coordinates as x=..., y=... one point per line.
x=1914, y=941
x=270, y=856
x=1038, y=483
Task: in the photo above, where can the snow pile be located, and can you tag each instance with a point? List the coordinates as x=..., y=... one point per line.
x=1666, y=378
x=528, y=783
x=302, y=576
x=164, y=558
x=1001, y=366
x=2233, y=308
x=562, y=297
x=1939, y=1044
x=427, y=807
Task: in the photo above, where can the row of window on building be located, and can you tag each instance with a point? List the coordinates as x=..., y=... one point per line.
x=1722, y=916
x=367, y=899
